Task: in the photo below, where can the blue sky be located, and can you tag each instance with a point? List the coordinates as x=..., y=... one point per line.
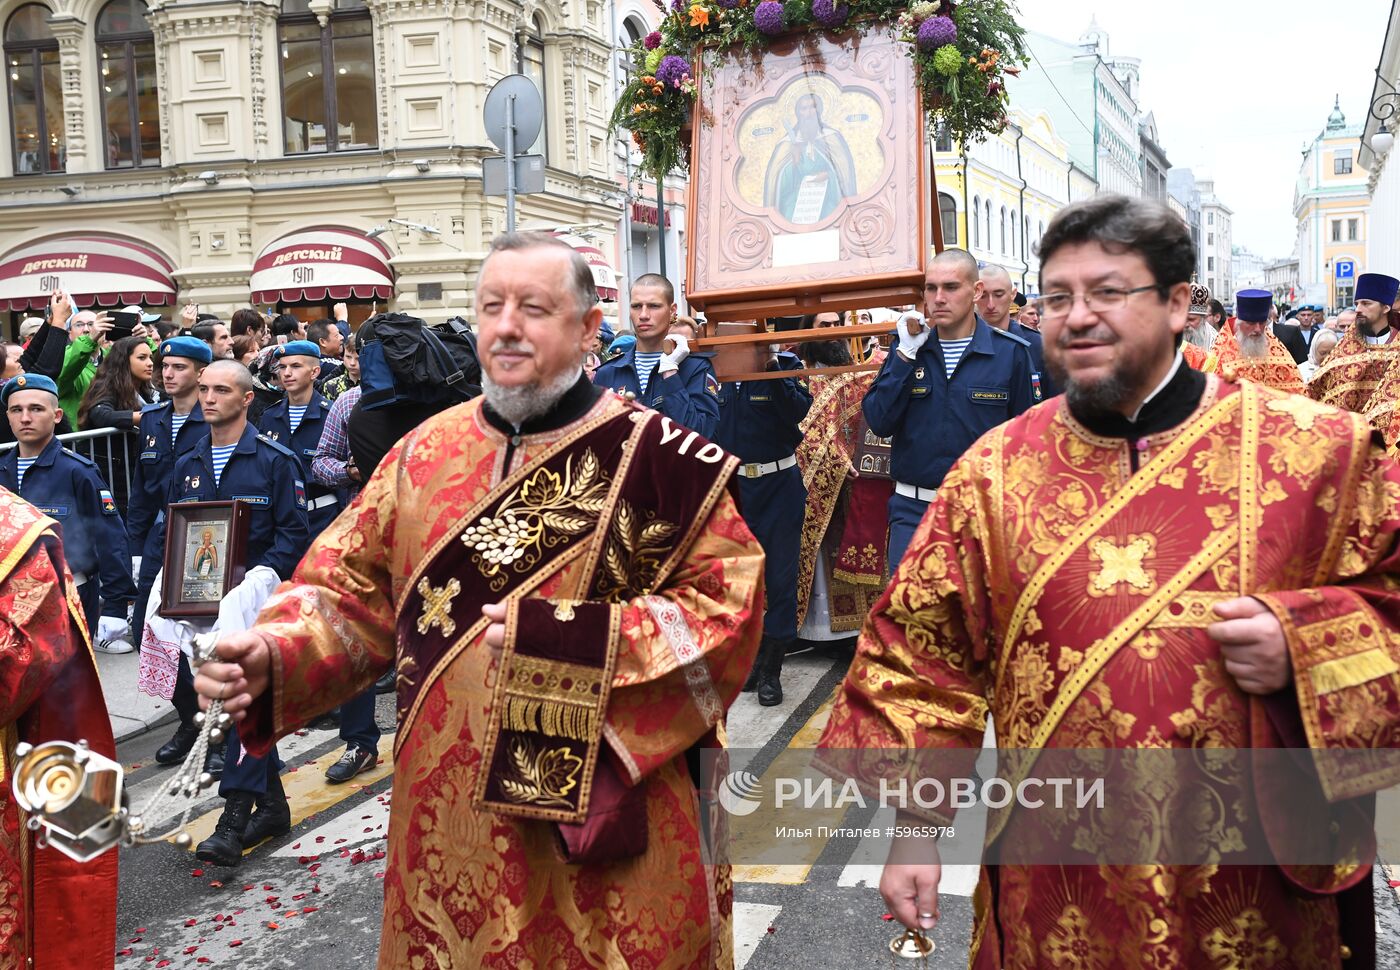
x=1238, y=86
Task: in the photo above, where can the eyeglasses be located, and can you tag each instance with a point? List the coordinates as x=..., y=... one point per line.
x=1103, y=299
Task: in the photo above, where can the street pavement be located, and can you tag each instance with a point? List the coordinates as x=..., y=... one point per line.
x=312, y=900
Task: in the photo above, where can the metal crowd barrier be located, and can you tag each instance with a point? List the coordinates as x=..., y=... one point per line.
x=114, y=452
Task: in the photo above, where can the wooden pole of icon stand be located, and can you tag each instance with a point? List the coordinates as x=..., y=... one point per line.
x=729, y=341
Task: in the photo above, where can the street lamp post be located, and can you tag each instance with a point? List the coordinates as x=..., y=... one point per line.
x=1383, y=109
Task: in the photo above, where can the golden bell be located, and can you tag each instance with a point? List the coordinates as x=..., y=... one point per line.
x=912, y=945
x=72, y=794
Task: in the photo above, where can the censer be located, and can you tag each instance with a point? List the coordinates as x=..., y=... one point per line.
x=911, y=945
x=76, y=798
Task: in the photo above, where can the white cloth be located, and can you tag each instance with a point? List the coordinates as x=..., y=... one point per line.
x=163, y=639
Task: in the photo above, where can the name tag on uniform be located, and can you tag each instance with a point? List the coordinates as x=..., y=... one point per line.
x=760, y=398
x=309, y=452
x=918, y=390
x=149, y=456
x=987, y=395
x=252, y=499
x=60, y=510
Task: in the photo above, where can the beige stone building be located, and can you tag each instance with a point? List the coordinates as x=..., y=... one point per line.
x=329, y=148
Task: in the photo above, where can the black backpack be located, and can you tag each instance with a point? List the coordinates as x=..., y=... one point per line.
x=404, y=359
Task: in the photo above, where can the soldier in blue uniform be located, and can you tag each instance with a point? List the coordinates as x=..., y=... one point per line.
x=235, y=462
x=676, y=383
x=994, y=307
x=168, y=430
x=758, y=422
x=942, y=388
x=297, y=422
x=69, y=489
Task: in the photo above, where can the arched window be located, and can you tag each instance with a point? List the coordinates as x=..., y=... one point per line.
x=36, y=92
x=1026, y=236
x=126, y=54
x=328, y=102
x=1003, y=230
x=976, y=220
x=529, y=60
x=987, y=208
x=948, y=210
x=633, y=30
x=1015, y=224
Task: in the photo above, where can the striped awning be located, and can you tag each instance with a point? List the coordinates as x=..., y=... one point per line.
x=92, y=268
x=604, y=276
x=322, y=263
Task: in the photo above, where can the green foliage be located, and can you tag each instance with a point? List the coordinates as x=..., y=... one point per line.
x=968, y=98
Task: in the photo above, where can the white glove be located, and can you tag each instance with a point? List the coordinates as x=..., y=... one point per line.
x=909, y=342
x=672, y=361
x=113, y=628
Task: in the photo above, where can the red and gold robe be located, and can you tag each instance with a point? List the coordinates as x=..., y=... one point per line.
x=1195, y=357
x=471, y=887
x=1067, y=595
x=1278, y=370
x=1360, y=378
x=53, y=911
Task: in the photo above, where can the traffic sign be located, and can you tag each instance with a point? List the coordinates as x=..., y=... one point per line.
x=529, y=174
x=528, y=109
x=1345, y=269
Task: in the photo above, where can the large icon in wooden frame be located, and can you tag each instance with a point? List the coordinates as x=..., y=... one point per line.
x=809, y=177
x=205, y=551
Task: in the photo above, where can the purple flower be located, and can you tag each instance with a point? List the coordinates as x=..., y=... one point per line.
x=829, y=13
x=679, y=6
x=768, y=17
x=936, y=32
x=652, y=40
x=672, y=69
x=729, y=4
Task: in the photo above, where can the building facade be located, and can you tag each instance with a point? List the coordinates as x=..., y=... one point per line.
x=1185, y=199
x=1217, y=248
x=1089, y=98
x=325, y=146
x=996, y=199
x=1155, y=164
x=1383, y=171
x=1249, y=269
x=1332, y=204
x=1281, y=278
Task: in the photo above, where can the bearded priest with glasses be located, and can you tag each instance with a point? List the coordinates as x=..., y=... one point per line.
x=1159, y=560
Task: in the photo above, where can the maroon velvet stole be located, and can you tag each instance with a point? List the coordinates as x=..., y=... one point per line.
x=628, y=491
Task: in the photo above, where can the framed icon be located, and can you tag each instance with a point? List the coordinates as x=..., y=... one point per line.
x=810, y=177
x=205, y=552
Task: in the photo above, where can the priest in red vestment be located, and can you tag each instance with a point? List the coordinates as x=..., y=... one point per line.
x=1160, y=558
x=1360, y=374
x=1247, y=351
x=54, y=912
x=573, y=602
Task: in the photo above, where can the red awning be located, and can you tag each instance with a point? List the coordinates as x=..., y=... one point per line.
x=323, y=263
x=604, y=276
x=93, y=269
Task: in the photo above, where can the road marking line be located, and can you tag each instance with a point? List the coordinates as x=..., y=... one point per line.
x=751, y=922
x=307, y=790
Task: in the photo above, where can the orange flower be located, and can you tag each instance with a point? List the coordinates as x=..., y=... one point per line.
x=699, y=17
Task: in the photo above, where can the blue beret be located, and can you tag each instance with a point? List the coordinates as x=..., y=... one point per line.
x=1378, y=287
x=298, y=348
x=623, y=343
x=28, y=382
x=191, y=347
x=1252, y=306
x=606, y=332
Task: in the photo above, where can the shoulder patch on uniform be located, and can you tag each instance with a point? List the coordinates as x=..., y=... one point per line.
x=301, y=493
x=712, y=385
x=109, y=504
x=1012, y=336
x=277, y=446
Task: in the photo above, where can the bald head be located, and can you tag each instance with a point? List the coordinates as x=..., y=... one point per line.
x=231, y=371
x=997, y=293
x=959, y=259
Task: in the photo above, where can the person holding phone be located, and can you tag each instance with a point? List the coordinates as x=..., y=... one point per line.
x=87, y=338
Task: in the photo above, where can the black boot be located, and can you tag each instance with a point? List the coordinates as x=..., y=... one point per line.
x=751, y=683
x=214, y=760
x=770, y=687
x=178, y=747
x=225, y=846
x=273, y=817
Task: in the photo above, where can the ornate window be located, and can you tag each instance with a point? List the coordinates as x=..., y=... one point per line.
x=126, y=56
x=948, y=211
x=36, y=92
x=328, y=102
x=529, y=60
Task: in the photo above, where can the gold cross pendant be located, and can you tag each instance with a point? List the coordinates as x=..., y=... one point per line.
x=437, y=606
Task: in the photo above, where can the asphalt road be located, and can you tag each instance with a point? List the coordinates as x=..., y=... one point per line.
x=312, y=900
